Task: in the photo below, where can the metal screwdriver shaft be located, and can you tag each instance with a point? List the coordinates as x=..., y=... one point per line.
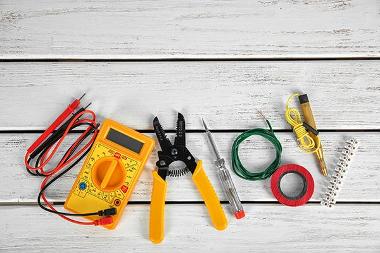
x=225, y=178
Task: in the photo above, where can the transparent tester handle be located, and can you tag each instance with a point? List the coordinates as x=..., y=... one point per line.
x=229, y=189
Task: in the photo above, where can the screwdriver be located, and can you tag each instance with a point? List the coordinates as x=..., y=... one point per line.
x=309, y=120
x=225, y=178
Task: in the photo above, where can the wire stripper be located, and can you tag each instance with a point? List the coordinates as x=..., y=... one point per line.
x=178, y=152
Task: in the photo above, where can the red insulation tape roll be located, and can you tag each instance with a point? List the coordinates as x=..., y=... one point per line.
x=303, y=196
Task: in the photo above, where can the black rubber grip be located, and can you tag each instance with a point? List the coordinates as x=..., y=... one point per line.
x=310, y=128
x=303, y=98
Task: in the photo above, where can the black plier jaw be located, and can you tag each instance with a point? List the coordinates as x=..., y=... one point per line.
x=173, y=152
x=178, y=152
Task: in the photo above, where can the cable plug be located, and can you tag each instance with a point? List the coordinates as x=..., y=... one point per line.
x=107, y=212
x=103, y=221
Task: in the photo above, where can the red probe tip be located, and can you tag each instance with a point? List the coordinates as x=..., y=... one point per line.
x=240, y=214
x=104, y=221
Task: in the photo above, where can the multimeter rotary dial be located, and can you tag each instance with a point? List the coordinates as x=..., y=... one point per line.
x=108, y=173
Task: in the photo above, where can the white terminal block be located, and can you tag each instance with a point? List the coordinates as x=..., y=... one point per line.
x=336, y=179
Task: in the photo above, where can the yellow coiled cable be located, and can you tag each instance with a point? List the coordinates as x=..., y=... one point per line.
x=293, y=117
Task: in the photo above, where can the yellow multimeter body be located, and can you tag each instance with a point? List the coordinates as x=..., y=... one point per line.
x=110, y=171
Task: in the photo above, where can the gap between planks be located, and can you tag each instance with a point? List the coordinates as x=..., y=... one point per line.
x=13, y=130
x=269, y=202
x=180, y=58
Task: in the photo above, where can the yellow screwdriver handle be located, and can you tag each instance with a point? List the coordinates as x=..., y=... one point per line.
x=309, y=119
x=215, y=210
x=157, y=209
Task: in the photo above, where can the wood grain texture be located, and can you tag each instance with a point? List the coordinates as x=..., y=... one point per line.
x=343, y=94
x=360, y=184
x=266, y=228
x=185, y=29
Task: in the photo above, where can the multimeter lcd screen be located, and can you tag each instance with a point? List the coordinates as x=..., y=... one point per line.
x=124, y=140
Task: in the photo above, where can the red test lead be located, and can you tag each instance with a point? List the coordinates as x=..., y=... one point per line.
x=42, y=151
x=57, y=122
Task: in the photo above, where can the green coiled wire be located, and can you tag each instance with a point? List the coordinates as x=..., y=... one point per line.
x=238, y=167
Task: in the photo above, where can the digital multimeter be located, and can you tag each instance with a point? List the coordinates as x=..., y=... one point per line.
x=110, y=171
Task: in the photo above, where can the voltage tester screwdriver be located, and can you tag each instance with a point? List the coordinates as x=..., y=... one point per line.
x=225, y=179
x=305, y=129
x=310, y=125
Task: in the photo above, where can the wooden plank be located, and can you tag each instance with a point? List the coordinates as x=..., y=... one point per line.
x=274, y=228
x=344, y=94
x=361, y=183
x=176, y=29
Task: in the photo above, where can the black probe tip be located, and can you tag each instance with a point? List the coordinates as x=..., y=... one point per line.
x=87, y=105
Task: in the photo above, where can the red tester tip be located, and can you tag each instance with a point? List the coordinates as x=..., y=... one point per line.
x=239, y=214
x=103, y=221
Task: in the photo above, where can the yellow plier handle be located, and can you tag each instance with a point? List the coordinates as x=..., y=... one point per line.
x=157, y=204
x=204, y=186
x=157, y=209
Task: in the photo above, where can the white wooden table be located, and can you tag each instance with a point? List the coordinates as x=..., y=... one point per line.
x=220, y=60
